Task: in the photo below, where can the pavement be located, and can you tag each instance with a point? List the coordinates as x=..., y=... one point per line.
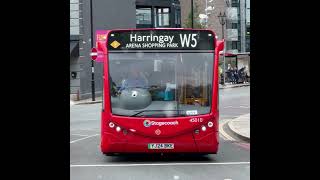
x=86, y=101
x=240, y=127
x=229, y=85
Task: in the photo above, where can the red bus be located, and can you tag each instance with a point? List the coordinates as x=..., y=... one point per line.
x=160, y=90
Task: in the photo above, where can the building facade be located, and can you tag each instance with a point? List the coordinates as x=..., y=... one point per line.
x=237, y=27
x=158, y=14
x=200, y=6
x=109, y=14
x=236, y=30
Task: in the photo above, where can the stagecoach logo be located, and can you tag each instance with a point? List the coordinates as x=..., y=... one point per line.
x=115, y=44
x=148, y=123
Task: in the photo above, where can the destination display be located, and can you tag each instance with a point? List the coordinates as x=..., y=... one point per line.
x=161, y=40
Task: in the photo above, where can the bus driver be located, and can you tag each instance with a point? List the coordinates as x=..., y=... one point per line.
x=135, y=79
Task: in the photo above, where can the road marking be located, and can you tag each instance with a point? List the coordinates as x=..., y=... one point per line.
x=225, y=136
x=236, y=107
x=224, y=117
x=162, y=164
x=244, y=145
x=227, y=107
x=83, y=138
x=244, y=106
x=92, y=129
x=176, y=177
x=78, y=135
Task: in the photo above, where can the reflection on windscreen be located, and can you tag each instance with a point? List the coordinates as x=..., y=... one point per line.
x=160, y=84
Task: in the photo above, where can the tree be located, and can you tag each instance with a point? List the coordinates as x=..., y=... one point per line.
x=196, y=20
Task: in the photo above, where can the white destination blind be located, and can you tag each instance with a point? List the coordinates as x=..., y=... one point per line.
x=161, y=39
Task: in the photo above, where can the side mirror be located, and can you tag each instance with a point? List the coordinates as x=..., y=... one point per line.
x=100, y=50
x=220, y=45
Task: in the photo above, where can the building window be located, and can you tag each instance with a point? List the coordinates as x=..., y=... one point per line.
x=162, y=17
x=178, y=18
x=143, y=16
x=234, y=26
x=248, y=38
x=234, y=45
x=228, y=45
x=248, y=30
x=231, y=45
x=234, y=3
x=247, y=44
x=239, y=46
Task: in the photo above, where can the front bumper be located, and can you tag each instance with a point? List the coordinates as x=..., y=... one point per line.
x=135, y=143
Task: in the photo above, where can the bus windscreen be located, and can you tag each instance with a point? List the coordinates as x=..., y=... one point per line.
x=160, y=84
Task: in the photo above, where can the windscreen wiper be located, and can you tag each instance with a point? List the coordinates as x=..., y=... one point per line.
x=139, y=112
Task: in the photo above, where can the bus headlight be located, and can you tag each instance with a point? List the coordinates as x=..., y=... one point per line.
x=111, y=125
x=203, y=128
x=118, y=129
x=210, y=124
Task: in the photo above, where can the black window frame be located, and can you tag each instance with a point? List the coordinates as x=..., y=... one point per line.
x=234, y=3
x=151, y=18
x=234, y=44
x=156, y=16
x=177, y=17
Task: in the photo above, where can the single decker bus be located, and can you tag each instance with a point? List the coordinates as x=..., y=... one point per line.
x=160, y=90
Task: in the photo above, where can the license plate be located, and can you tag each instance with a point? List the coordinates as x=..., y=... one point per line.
x=161, y=146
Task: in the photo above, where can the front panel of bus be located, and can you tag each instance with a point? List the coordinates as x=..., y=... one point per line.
x=160, y=92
